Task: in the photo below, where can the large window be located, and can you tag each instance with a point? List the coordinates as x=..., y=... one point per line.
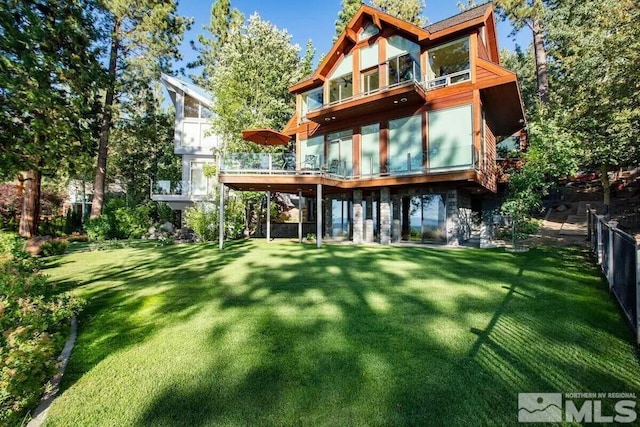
x=312, y=100
x=341, y=88
x=312, y=152
x=451, y=138
x=370, y=81
x=405, y=144
x=403, y=57
x=370, y=150
x=341, y=80
x=194, y=109
x=199, y=182
x=340, y=153
x=449, y=63
x=428, y=218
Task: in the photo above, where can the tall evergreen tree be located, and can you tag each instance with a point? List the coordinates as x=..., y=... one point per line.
x=349, y=9
x=407, y=10
x=307, y=60
x=530, y=13
x=143, y=40
x=48, y=77
x=223, y=20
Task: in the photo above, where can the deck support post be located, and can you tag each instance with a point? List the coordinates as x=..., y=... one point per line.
x=221, y=219
x=318, y=215
x=358, y=223
x=299, y=216
x=268, y=216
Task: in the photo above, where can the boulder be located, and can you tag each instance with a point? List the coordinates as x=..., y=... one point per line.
x=168, y=227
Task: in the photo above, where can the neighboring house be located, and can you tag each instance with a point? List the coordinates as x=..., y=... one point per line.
x=395, y=132
x=193, y=142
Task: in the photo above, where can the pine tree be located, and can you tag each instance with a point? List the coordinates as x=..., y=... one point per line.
x=49, y=72
x=143, y=40
x=349, y=9
x=407, y=10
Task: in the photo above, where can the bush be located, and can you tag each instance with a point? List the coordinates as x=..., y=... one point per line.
x=99, y=229
x=9, y=243
x=33, y=325
x=54, y=247
x=202, y=219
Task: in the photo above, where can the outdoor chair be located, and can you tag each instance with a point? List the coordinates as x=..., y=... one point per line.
x=309, y=162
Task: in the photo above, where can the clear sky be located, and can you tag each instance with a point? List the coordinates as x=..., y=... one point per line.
x=315, y=20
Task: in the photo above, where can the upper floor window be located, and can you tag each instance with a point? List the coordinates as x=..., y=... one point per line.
x=369, y=30
x=194, y=109
x=449, y=63
x=341, y=88
x=312, y=100
x=404, y=60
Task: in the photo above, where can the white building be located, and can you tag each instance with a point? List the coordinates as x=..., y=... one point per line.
x=193, y=142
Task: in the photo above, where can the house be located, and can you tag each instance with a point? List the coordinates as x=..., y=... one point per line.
x=395, y=132
x=193, y=143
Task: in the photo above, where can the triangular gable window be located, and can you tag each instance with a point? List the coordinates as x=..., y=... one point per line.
x=369, y=30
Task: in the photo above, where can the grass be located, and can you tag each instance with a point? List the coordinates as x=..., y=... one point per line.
x=285, y=334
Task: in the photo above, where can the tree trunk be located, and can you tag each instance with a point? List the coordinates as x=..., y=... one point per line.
x=31, y=204
x=105, y=128
x=606, y=189
x=541, y=61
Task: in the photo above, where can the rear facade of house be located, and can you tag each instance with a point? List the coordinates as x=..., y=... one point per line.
x=395, y=133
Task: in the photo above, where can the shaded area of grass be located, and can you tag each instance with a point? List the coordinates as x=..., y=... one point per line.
x=283, y=334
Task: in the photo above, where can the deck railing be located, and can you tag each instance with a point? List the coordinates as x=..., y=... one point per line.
x=618, y=255
x=179, y=188
x=285, y=164
x=448, y=80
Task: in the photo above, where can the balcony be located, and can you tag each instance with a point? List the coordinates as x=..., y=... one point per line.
x=405, y=88
x=164, y=190
x=448, y=80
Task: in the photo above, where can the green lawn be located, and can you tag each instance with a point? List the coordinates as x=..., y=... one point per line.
x=285, y=334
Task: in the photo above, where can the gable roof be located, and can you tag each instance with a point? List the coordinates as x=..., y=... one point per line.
x=348, y=38
x=461, y=18
x=190, y=89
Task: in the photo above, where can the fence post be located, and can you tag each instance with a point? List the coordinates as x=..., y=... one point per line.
x=600, y=246
x=637, y=319
x=588, y=222
x=610, y=276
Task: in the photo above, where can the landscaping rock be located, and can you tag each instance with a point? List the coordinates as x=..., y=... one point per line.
x=168, y=227
x=562, y=208
x=151, y=230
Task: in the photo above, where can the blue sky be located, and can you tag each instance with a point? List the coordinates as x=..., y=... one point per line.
x=315, y=20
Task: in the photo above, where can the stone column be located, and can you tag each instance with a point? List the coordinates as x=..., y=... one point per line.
x=486, y=230
x=395, y=227
x=357, y=217
x=385, y=216
x=453, y=221
x=368, y=223
x=328, y=217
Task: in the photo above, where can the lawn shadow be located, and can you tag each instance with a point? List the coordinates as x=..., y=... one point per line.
x=398, y=336
x=115, y=293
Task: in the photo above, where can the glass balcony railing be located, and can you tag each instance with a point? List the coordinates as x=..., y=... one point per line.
x=437, y=160
x=448, y=79
x=259, y=162
x=180, y=188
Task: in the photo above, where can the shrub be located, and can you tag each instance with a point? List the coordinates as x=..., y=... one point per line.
x=33, y=325
x=9, y=243
x=54, y=247
x=99, y=229
x=10, y=204
x=202, y=219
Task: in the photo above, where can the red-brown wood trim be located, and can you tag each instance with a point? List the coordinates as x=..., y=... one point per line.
x=384, y=144
x=356, y=148
x=473, y=55
x=476, y=120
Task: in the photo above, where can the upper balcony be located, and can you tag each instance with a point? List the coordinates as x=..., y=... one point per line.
x=404, y=87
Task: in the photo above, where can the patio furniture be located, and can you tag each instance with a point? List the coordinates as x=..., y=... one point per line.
x=309, y=163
